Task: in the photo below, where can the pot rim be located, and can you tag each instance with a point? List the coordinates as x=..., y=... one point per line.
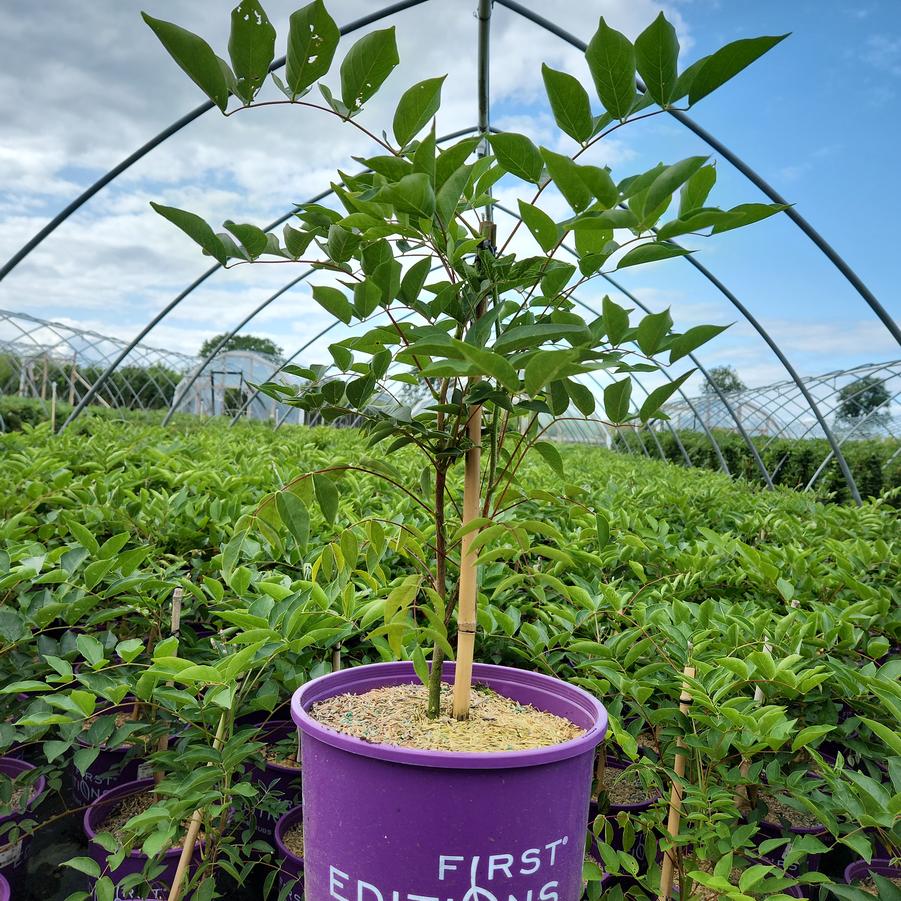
x=265, y=732
x=123, y=791
x=285, y=821
x=23, y=766
x=360, y=679
x=877, y=865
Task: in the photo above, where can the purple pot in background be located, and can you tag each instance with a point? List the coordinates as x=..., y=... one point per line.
x=12, y=859
x=860, y=870
x=380, y=819
x=113, y=767
x=4, y=889
x=279, y=786
x=135, y=861
x=637, y=849
x=290, y=866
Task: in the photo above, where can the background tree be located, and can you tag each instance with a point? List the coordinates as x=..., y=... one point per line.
x=725, y=378
x=864, y=399
x=240, y=342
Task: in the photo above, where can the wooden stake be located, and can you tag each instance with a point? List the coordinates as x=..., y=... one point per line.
x=675, y=803
x=468, y=591
x=53, y=408
x=600, y=770
x=187, y=849
x=174, y=628
x=742, y=796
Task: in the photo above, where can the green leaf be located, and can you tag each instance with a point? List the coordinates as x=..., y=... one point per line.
x=295, y=516
x=616, y=321
x=551, y=456
x=611, y=60
x=104, y=890
x=696, y=190
x=670, y=180
x=810, y=734
x=195, y=57
x=569, y=103
x=413, y=194
x=659, y=396
x=367, y=64
x=128, y=650
x=155, y=842
x=450, y=192
x=567, y=176
x=544, y=230
x=727, y=62
x=90, y=649
x=582, y=396
x=251, y=47
x=603, y=529
x=327, y=496
x=334, y=302
x=491, y=364
x=651, y=331
x=747, y=214
x=601, y=185
x=252, y=238
x=889, y=736
x=656, y=56
x=616, y=400
x=544, y=367
x=416, y=108
x=517, y=155
x=420, y=665
x=195, y=228
x=652, y=252
x=414, y=279
x=692, y=339
x=312, y=40
x=85, y=865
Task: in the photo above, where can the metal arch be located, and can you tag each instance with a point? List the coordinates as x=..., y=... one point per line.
x=758, y=181
x=196, y=284
x=821, y=468
x=752, y=320
x=166, y=133
x=198, y=371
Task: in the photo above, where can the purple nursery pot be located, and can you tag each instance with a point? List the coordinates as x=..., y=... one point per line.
x=135, y=861
x=12, y=858
x=279, y=785
x=637, y=849
x=387, y=823
x=111, y=768
x=4, y=889
x=861, y=870
x=291, y=866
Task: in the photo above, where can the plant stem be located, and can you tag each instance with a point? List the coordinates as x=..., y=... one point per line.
x=434, y=706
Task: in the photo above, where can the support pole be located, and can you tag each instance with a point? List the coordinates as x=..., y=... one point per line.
x=675, y=803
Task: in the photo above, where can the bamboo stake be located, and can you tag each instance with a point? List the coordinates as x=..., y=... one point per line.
x=468, y=591
x=675, y=803
x=600, y=770
x=174, y=629
x=53, y=408
x=742, y=796
x=187, y=849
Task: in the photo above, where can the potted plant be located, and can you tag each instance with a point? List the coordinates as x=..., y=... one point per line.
x=497, y=345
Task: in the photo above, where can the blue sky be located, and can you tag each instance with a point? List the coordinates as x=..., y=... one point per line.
x=818, y=117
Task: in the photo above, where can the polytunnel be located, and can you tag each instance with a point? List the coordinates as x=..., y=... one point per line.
x=792, y=403
x=458, y=460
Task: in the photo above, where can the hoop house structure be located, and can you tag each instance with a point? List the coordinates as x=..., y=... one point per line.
x=796, y=405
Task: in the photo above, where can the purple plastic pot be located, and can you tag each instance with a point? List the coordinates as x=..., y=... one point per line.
x=386, y=823
x=4, y=889
x=860, y=870
x=279, y=786
x=637, y=849
x=135, y=861
x=112, y=767
x=12, y=859
x=291, y=866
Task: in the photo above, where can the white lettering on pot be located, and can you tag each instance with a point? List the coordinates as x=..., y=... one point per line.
x=493, y=869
